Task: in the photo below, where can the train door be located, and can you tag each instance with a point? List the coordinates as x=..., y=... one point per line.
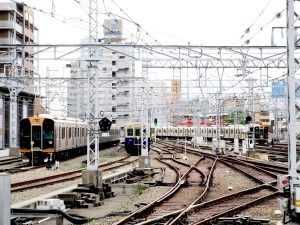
x=73, y=136
x=236, y=133
x=256, y=132
x=193, y=131
x=67, y=137
x=266, y=133
x=36, y=136
x=137, y=135
x=175, y=131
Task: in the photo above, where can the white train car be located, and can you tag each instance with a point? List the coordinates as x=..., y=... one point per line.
x=229, y=132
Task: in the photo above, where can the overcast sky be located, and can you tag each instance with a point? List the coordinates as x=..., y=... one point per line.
x=200, y=22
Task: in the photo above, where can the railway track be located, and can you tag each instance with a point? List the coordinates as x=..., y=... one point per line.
x=34, y=183
x=206, y=212
x=192, y=185
x=10, y=161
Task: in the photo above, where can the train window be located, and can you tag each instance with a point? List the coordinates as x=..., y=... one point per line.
x=75, y=132
x=25, y=128
x=215, y=131
x=48, y=134
x=129, y=132
x=256, y=132
x=70, y=133
x=63, y=133
x=226, y=131
x=266, y=131
x=231, y=131
x=137, y=132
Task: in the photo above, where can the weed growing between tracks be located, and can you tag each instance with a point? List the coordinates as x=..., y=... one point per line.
x=83, y=165
x=140, y=188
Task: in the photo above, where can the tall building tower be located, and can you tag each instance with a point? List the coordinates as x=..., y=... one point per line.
x=116, y=84
x=16, y=27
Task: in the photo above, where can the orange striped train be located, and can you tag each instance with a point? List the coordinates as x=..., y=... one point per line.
x=57, y=138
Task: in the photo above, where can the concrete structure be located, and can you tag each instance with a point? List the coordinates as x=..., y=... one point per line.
x=16, y=27
x=4, y=198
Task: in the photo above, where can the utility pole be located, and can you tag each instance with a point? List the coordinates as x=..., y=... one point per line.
x=91, y=175
x=144, y=161
x=291, y=183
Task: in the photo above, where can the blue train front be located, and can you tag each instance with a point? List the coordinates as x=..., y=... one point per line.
x=133, y=137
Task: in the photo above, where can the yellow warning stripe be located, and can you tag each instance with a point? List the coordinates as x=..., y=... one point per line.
x=45, y=150
x=297, y=200
x=48, y=150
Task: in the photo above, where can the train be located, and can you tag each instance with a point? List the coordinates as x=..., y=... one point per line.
x=229, y=132
x=46, y=136
x=132, y=137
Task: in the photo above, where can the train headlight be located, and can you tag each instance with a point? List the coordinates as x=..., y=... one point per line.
x=50, y=142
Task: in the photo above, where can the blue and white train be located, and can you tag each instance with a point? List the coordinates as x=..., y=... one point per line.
x=133, y=137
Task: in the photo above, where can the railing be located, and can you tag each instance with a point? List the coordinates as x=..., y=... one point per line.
x=10, y=24
x=9, y=41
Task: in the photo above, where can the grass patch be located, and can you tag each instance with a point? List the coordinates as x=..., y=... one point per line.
x=140, y=188
x=83, y=165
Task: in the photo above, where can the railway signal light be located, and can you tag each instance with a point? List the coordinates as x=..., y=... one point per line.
x=248, y=119
x=105, y=124
x=155, y=121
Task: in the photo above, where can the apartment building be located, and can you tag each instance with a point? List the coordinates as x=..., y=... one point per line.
x=16, y=27
x=116, y=72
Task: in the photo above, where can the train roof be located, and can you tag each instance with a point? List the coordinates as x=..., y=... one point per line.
x=57, y=118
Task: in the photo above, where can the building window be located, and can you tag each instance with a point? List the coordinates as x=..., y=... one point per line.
x=113, y=63
x=113, y=121
x=113, y=73
x=114, y=109
x=122, y=57
x=113, y=85
x=113, y=97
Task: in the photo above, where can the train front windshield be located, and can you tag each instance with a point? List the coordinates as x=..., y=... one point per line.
x=25, y=134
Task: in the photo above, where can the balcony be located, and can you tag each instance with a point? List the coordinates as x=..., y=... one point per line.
x=9, y=24
x=123, y=65
x=9, y=41
x=5, y=58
